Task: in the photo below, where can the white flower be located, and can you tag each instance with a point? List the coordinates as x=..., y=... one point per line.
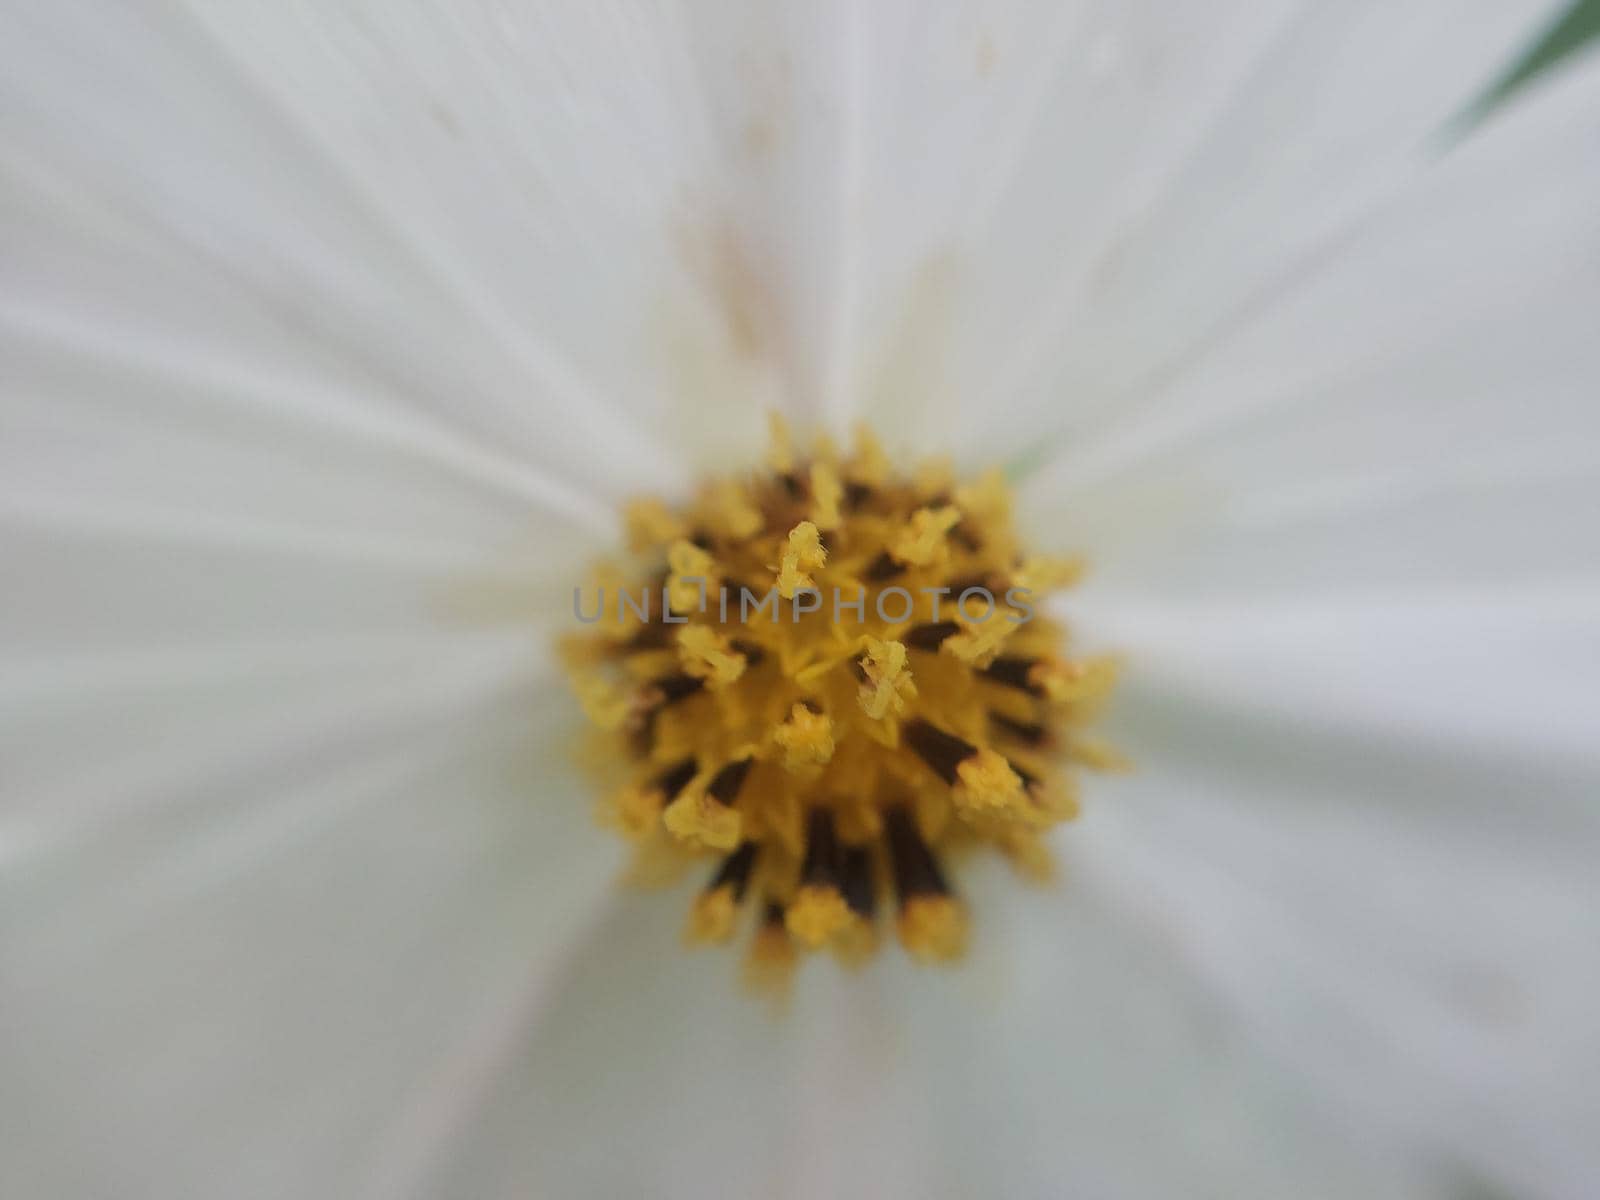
x=327, y=327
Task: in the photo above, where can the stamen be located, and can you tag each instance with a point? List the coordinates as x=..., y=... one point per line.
x=870, y=466
x=711, y=919
x=709, y=655
x=916, y=871
x=725, y=784
x=693, y=576
x=858, y=940
x=1030, y=732
x=1015, y=673
x=654, y=636
x=987, y=783
x=989, y=583
x=806, y=738
x=1075, y=682
x=943, y=752
x=604, y=704
x=641, y=733
x=979, y=778
x=932, y=636
x=932, y=924
x=670, y=689
x=650, y=523
x=826, y=492
x=753, y=653
x=802, y=555
x=735, y=516
x=637, y=809
x=1041, y=575
x=792, y=741
x=1028, y=854
x=780, y=452
x=986, y=498
x=979, y=642
x=884, y=568
x=886, y=683
x=922, y=542
x=819, y=910
x=933, y=928
x=705, y=816
x=674, y=779
x=769, y=969
x=855, y=873
x=1054, y=680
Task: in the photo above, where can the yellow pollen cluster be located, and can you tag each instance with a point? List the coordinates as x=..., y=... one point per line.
x=832, y=679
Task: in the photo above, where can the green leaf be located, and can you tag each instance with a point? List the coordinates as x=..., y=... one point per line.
x=1575, y=29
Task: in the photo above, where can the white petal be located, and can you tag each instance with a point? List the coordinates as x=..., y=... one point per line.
x=277, y=397
x=1417, y=410
x=1347, y=556
x=1347, y=551
x=1369, y=509
x=1070, y=1047
x=1105, y=1066
x=648, y=1071
x=478, y=218
x=256, y=982
x=1507, y=672
x=1064, y=203
x=1409, y=931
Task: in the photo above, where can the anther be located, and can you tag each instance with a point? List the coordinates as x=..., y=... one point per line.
x=942, y=752
x=916, y=871
x=922, y=542
x=725, y=784
x=669, y=689
x=858, y=940
x=638, y=809
x=1015, y=673
x=674, y=779
x=980, y=780
x=770, y=966
x=870, y=465
x=802, y=554
x=963, y=536
x=654, y=636
x=711, y=918
x=856, y=496
x=806, y=738
x=883, y=567
x=641, y=733
x=753, y=654
x=1030, y=733
x=709, y=655
x=931, y=636
x=826, y=492
x=979, y=642
x=650, y=523
x=733, y=513
x=887, y=685
x=819, y=910
x=693, y=575
x=706, y=816
x=932, y=924
x=855, y=876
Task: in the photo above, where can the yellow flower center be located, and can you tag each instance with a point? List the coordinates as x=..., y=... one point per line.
x=833, y=679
